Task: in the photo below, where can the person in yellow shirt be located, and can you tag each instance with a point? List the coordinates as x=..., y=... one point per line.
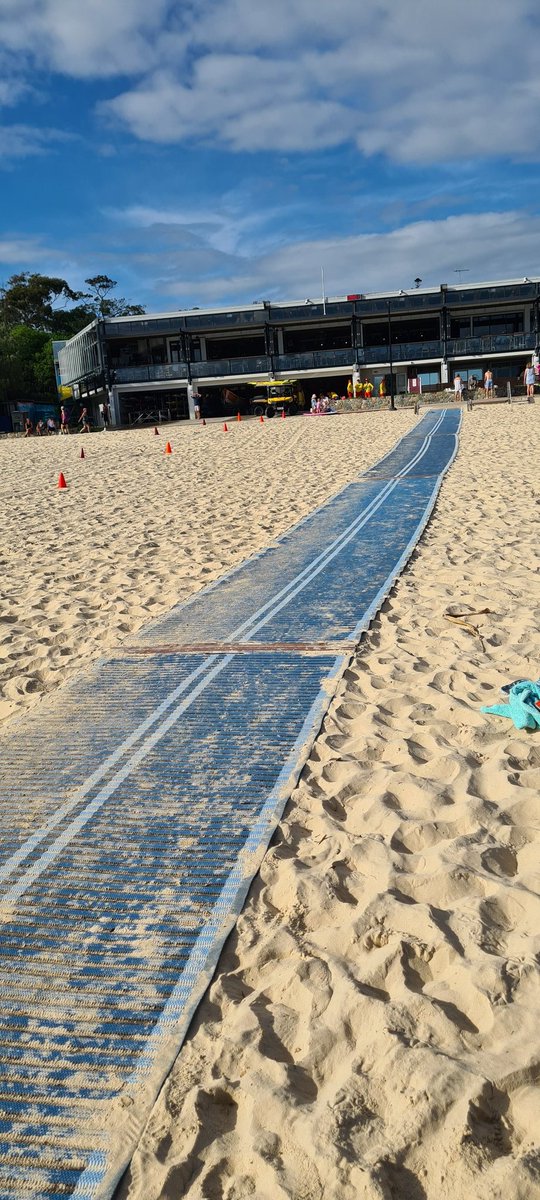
x=350, y=388
x=382, y=387
x=368, y=389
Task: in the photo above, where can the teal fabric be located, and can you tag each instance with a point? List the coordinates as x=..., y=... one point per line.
x=521, y=707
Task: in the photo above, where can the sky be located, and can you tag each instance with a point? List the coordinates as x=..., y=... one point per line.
x=216, y=152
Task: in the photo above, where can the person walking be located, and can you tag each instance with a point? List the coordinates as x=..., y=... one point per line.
x=488, y=384
x=84, y=421
x=64, y=420
x=105, y=414
x=528, y=379
x=458, y=388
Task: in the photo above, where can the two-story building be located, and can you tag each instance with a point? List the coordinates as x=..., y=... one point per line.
x=149, y=365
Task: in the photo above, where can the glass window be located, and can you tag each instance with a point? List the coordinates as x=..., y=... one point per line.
x=460, y=327
x=240, y=347
x=421, y=329
x=498, y=323
x=333, y=337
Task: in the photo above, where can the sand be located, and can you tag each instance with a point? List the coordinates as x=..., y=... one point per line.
x=372, y=1029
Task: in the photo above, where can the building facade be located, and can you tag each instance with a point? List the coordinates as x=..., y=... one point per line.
x=150, y=366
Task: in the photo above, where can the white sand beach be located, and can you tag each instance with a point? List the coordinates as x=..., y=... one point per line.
x=372, y=1029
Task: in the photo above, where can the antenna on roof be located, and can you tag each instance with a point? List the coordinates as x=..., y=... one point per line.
x=461, y=271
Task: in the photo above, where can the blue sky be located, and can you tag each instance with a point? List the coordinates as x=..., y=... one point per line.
x=222, y=151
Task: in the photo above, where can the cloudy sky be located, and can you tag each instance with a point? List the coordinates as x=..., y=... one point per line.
x=222, y=151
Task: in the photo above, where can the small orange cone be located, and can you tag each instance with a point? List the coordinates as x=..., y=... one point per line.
x=283, y=415
x=61, y=480
x=168, y=448
x=239, y=416
x=82, y=454
x=156, y=430
x=261, y=419
x=225, y=430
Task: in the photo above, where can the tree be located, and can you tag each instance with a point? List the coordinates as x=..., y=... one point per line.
x=49, y=303
x=28, y=299
x=26, y=364
x=106, y=305
x=36, y=309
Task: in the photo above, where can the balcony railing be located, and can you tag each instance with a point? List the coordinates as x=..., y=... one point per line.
x=143, y=327
x=508, y=293
x=149, y=374
x=500, y=343
x=313, y=359
x=231, y=366
x=403, y=352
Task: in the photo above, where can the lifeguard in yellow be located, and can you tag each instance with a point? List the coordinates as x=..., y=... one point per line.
x=368, y=389
x=349, y=388
x=358, y=388
x=382, y=388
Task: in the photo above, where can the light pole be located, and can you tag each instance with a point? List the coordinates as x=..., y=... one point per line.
x=390, y=359
x=323, y=292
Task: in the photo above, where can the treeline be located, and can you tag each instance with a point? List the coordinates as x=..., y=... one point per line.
x=36, y=310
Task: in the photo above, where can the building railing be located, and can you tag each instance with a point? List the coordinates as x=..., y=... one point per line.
x=499, y=343
x=403, y=352
x=143, y=327
x=312, y=359
x=224, y=320
x=232, y=366
x=149, y=374
x=499, y=294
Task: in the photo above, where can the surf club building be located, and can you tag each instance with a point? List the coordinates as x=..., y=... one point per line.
x=149, y=367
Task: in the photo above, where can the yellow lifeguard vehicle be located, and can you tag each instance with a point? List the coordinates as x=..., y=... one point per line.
x=271, y=396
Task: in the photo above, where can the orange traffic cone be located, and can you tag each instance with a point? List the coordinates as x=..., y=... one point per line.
x=82, y=454
x=61, y=480
x=284, y=414
x=225, y=430
x=156, y=430
x=261, y=419
x=168, y=448
x=239, y=416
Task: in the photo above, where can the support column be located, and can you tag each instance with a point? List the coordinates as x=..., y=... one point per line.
x=114, y=404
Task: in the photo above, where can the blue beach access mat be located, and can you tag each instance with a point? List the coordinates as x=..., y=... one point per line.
x=130, y=840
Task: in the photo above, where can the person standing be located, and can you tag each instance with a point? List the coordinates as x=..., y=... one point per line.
x=105, y=414
x=528, y=379
x=64, y=421
x=488, y=384
x=458, y=388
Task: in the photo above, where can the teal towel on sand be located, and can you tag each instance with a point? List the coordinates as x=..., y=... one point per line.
x=521, y=706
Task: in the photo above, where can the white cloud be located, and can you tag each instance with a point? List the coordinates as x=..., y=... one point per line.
x=21, y=250
x=417, y=81
x=88, y=39
x=23, y=141
x=490, y=245
x=169, y=266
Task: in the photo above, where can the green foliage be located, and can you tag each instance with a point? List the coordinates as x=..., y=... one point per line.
x=29, y=299
x=38, y=309
x=26, y=364
x=106, y=305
